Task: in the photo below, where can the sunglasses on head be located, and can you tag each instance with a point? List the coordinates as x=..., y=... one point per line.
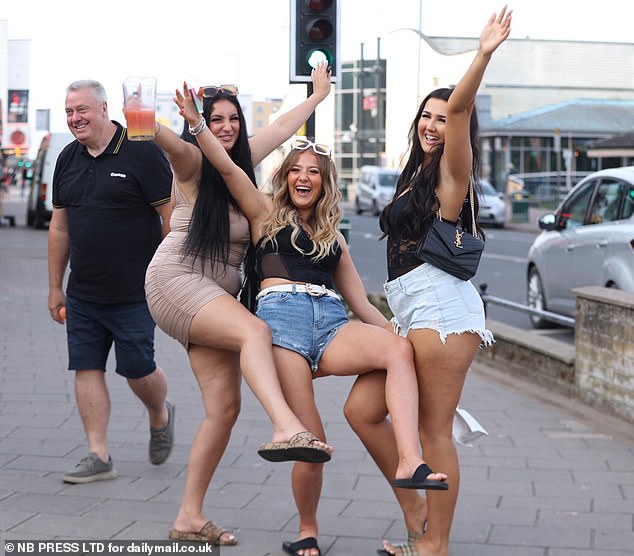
x=211, y=91
x=318, y=148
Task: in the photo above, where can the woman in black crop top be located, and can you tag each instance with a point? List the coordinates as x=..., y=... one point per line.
x=301, y=258
x=442, y=316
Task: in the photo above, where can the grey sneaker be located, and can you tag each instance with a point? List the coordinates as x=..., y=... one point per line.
x=162, y=440
x=90, y=468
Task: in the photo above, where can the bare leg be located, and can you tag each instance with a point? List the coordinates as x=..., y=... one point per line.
x=442, y=369
x=152, y=391
x=307, y=478
x=218, y=376
x=366, y=412
x=93, y=402
x=251, y=337
x=361, y=348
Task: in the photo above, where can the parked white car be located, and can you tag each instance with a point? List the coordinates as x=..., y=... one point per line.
x=375, y=188
x=587, y=241
x=39, y=205
x=492, y=205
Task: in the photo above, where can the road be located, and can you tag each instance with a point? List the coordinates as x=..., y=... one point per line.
x=502, y=268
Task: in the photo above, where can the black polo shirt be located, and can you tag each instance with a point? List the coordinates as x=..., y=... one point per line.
x=113, y=227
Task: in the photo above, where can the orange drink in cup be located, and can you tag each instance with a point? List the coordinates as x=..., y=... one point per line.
x=139, y=106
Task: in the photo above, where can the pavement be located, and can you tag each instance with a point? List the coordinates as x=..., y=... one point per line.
x=553, y=478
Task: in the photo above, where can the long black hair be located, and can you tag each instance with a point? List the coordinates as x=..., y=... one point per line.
x=208, y=237
x=415, y=218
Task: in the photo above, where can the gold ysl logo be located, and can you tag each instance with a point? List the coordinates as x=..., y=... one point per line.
x=458, y=241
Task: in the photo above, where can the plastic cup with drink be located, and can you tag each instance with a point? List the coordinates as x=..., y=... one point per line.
x=139, y=106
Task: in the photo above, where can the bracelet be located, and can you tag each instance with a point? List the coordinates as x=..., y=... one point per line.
x=198, y=127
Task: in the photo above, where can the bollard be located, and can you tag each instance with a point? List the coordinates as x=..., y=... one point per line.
x=519, y=211
x=344, y=228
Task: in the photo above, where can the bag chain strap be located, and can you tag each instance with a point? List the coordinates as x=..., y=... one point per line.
x=473, y=218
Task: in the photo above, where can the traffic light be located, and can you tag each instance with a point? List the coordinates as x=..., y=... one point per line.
x=314, y=38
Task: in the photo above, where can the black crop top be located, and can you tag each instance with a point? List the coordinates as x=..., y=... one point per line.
x=280, y=259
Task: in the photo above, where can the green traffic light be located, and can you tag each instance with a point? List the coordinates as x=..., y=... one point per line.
x=317, y=57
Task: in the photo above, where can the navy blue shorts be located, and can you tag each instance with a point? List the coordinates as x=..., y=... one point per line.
x=91, y=328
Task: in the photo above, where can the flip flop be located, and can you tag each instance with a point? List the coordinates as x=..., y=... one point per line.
x=298, y=448
x=405, y=548
x=210, y=533
x=419, y=480
x=293, y=548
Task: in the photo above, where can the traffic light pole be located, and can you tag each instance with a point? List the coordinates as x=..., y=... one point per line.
x=310, y=122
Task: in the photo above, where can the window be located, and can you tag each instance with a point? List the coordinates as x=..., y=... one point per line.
x=607, y=199
x=573, y=213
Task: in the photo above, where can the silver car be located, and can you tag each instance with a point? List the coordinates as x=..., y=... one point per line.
x=587, y=241
x=492, y=206
x=375, y=188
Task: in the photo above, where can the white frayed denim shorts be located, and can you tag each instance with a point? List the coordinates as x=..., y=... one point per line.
x=427, y=297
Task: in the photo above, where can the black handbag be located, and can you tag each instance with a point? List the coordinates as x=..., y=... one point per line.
x=450, y=247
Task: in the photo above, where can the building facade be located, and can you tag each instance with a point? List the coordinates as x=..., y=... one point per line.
x=541, y=105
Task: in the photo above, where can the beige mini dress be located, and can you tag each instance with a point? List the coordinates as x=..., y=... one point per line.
x=175, y=287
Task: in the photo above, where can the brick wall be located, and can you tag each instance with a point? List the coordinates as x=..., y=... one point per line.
x=538, y=359
x=604, y=345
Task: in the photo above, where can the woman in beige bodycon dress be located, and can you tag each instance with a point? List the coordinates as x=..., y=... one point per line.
x=191, y=286
x=176, y=291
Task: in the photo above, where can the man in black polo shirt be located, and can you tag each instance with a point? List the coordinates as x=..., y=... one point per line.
x=111, y=208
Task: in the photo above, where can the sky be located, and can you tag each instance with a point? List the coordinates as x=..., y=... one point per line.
x=247, y=41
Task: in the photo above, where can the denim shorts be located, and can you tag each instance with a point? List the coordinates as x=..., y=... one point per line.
x=91, y=329
x=302, y=323
x=427, y=297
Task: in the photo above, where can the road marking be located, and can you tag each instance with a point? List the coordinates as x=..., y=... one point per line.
x=510, y=258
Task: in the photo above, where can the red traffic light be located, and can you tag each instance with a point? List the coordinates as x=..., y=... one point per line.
x=319, y=5
x=319, y=29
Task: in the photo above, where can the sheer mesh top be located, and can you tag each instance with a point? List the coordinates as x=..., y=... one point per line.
x=401, y=252
x=279, y=259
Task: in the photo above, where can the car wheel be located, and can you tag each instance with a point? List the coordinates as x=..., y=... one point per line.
x=535, y=299
x=357, y=205
x=375, y=209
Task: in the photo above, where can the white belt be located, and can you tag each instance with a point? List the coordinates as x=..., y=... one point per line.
x=311, y=289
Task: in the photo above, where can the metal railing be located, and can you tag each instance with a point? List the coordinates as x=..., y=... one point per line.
x=562, y=320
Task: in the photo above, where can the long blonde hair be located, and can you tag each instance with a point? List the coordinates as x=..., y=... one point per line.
x=328, y=213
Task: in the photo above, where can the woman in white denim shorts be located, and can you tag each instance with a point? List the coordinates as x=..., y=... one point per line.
x=442, y=316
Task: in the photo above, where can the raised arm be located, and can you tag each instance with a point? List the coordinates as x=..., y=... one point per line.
x=267, y=140
x=457, y=157
x=184, y=158
x=253, y=203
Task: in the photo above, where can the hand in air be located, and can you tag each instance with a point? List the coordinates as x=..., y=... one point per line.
x=321, y=80
x=496, y=31
x=186, y=106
